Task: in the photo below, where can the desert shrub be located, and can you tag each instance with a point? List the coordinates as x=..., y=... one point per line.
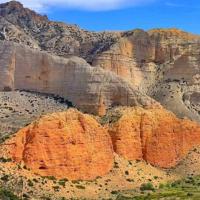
x=5, y=178
x=30, y=183
x=52, y=178
x=75, y=181
x=114, y=192
x=80, y=187
x=111, y=117
x=130, y=180
x=155, y=177
x=25, y=196
x=63, y=198
x=35, y=180
x=6, y=194
x=61, y=182
x=4, y=160
x=116, y=165
x=127, y=173
x=56, y=188
x=147, y=186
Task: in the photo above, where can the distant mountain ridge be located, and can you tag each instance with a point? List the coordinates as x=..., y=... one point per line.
x=161, y=63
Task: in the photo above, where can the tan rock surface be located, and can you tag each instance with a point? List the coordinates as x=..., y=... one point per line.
x=91, y=89
x=162, y=63
x=154, y=135
x=65, y=145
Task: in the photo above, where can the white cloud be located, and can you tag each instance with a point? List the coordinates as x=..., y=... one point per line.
x=92, y=5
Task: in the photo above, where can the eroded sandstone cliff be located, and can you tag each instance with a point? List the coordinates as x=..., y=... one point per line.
x=154, y=135
x=75, y=146
x=65, y=145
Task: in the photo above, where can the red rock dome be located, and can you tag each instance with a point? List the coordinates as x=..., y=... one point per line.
x=65, y=145
x=154, y=135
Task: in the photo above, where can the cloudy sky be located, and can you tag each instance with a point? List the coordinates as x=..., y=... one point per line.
x=121, y=14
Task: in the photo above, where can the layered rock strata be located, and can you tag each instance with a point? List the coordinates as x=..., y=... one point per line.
x=90, y=89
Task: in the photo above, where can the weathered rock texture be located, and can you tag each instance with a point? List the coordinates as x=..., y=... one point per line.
x=163, y=64
x=27, y=27
x=75, y=146
x=65, y=145
x=89, y=88
x=154, y=135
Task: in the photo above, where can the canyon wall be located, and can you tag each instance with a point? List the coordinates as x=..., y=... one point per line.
x=89, y=88
x=163, y=64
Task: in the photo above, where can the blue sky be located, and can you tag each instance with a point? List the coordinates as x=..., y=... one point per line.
x=101, y=15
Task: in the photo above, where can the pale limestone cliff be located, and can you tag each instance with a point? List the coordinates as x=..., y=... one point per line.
x=90, y=89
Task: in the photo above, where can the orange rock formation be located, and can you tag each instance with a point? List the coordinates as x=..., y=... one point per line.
x=154, y=135
x=65, y=145
x=73, y=145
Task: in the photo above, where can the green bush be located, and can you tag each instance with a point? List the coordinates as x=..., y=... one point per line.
x=6, y=194
x=4, y=160
x=114, y=192
x=80, y=187
x=161, y=186
x=61, y=182
x=175, y=184
x=30, y=183
x=52, y=178
x=5, y=178
x=147, y=186
x=56, y=188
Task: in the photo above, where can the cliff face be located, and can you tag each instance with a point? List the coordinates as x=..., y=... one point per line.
x=154, y=135
x=75, y=146
x=91, y=89
x=162, y=63
x=65, y=145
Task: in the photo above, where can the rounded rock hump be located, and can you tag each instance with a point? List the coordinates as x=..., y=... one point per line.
x=65, y=145
x=154, y=135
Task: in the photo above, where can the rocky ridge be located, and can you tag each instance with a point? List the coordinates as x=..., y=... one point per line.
x=161, y=63
x=57, y=37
